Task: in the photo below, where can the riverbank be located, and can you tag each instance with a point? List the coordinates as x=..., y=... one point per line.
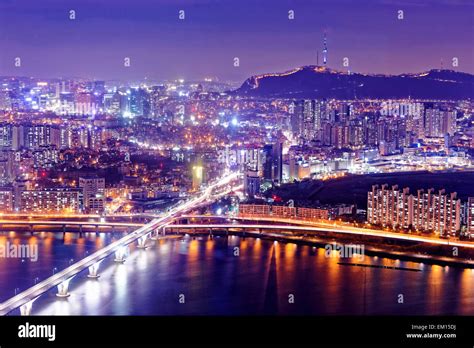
x=420, y=254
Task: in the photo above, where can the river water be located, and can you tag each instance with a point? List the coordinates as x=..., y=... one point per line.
x=233, y=276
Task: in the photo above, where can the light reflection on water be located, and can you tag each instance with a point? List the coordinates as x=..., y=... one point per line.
x=257, y=280
x=55, y=250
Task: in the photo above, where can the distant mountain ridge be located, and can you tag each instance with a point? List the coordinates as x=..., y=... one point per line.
x=321, y=82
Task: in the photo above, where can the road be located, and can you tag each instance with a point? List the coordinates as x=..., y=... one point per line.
x=69, y=223
x=336, y=229
x=35, y=291
x=330, y=226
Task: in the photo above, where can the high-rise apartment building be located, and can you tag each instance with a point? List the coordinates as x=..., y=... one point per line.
x=93, y=190
x=389, y=206
x=470, y=217
x=273, y=162
x=424, y=211
x=54, y=200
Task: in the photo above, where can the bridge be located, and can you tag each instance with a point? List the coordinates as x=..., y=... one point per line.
x=25, y=299
x=66, y=214
x=65, y=223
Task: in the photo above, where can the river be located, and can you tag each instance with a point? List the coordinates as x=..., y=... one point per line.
x=233, y=276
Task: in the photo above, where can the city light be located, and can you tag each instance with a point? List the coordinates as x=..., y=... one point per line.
x=220, y=161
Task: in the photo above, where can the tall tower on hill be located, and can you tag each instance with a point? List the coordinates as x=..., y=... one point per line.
x=325, y=50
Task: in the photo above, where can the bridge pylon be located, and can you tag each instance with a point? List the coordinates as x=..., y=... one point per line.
x=141, y=242
x=63, y=288
x=155, y=234
x=93, y=270
x=25, y=310
x=120, y=254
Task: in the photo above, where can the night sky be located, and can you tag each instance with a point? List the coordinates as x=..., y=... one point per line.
x=215, y=31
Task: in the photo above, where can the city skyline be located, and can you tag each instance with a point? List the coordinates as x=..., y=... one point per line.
x=247, y=159
x=161, y=46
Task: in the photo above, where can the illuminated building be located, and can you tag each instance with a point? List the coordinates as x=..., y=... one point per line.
x=198, y=173
x=356, y=134
x=389, y=206
x=37, y=136
x=156, y=95
x=46, y=157
x=5, y=136
x=254, y=210
x=18, y=187
x=252, y=183
x=426, y=211
x=5, y=101
x=340, y=136
x=470, y=217
x=136, y=101
x=440, y=213
x=99, y=87
x=449, y=122
x=51, y=200
x=446, y=213
x=112, y=103
x=439, y=122
x=85, y=104
x=278, y=211
x=17, y=137
x=307, y=118
x=9, y=167
x=6, y=200
x=93, y=191
x=312, y=214
x=296, y=118
x=273, y=163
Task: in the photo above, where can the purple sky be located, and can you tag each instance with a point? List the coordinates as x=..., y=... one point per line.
x=215, y=31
